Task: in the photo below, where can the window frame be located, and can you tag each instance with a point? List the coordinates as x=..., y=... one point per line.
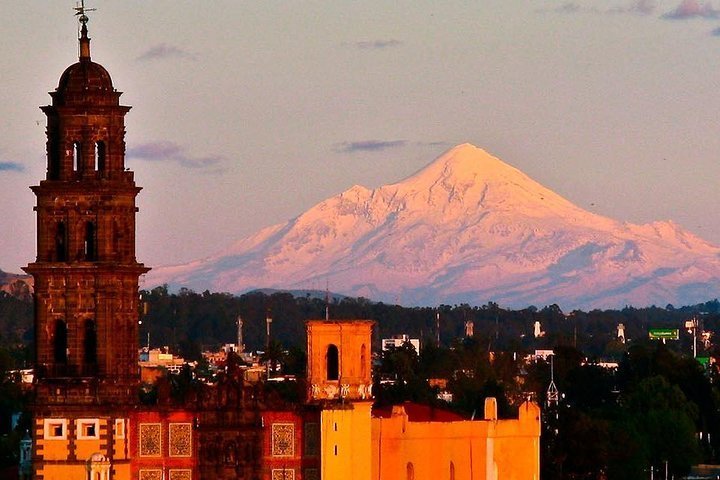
x=49, y=423
x=80, y=423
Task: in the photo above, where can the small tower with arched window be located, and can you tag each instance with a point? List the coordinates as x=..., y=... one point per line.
x=339, y=360
x=340, y=381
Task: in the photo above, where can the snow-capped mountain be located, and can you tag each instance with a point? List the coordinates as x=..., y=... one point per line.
x=466, y=228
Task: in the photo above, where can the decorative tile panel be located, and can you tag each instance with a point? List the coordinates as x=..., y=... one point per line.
x=283, y=474
x=151, y=475
x=312, y=439
x=150, y=439
x=180, y=474
x=283, y=440
x=180, y=439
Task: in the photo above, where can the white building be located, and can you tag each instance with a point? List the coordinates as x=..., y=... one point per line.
x=397, y=341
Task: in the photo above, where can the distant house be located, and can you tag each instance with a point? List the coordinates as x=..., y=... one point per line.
x=398, y=341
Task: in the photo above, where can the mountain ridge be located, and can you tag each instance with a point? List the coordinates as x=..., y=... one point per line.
x=466, y=228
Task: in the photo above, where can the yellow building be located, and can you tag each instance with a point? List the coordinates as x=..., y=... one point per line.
x=340, y=381
x=409, y=441
x=416, y=442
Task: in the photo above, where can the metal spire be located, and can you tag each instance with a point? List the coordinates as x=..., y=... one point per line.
x=80, y=12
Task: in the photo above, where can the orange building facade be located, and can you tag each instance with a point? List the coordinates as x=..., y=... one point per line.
x=163, y=445
x=412, y=442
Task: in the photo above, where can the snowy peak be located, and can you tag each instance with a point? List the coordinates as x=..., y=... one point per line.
x=462, y=164
x=469, y=175
x=466, y=228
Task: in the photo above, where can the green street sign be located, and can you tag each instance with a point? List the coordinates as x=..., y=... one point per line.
x=664, y=333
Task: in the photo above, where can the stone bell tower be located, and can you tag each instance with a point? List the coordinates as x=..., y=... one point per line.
x=86, y=276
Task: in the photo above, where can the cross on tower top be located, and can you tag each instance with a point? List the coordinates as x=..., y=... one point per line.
x=80, y=11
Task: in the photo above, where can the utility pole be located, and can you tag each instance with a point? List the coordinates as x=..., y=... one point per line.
x=241, y=345
x=437, y=328
x=268, y=321
x=692, y=326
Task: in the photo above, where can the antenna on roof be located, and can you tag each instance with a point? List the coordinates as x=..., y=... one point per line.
x=327, y=300
x=553, y=395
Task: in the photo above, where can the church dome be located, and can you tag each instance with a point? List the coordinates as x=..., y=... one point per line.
x=85, y=77
x=85, y=82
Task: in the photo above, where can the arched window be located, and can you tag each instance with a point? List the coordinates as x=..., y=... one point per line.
x=53, y=160
x=90, y=343
x=363, y=361
x=100, y=155
x=230, y=453
x=333, y=363
x=90, y=246
x=60, y=350
x=452, y=471
x=61, y=242
x=77, y=156
x=410, y=470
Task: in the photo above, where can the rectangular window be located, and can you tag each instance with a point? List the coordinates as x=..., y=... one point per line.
x=119, y=428
x=88, y=428
x=150, y=439
x=312, y=439
x=180, y=439
x=55, y=429
x=180, y=474
x=283, y=474
x=154, y=474
x=283, y=439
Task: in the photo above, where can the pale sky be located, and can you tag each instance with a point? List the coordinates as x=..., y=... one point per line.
x=245, y=114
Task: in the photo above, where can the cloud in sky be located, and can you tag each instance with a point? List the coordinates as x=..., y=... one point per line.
x=568, y=7
x=369, y=146
x=377, y=44
x=692, y=9
x=163, y=51
x=716, y=32
x=641, y=7
x=11, y=167
x=173, y=153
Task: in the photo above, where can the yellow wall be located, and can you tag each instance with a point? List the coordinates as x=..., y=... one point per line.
x=517, y=445
x=345, y=442
x=58, y=464
x=478, y=450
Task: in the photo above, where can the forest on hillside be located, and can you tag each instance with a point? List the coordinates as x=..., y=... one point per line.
x=189, y=322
